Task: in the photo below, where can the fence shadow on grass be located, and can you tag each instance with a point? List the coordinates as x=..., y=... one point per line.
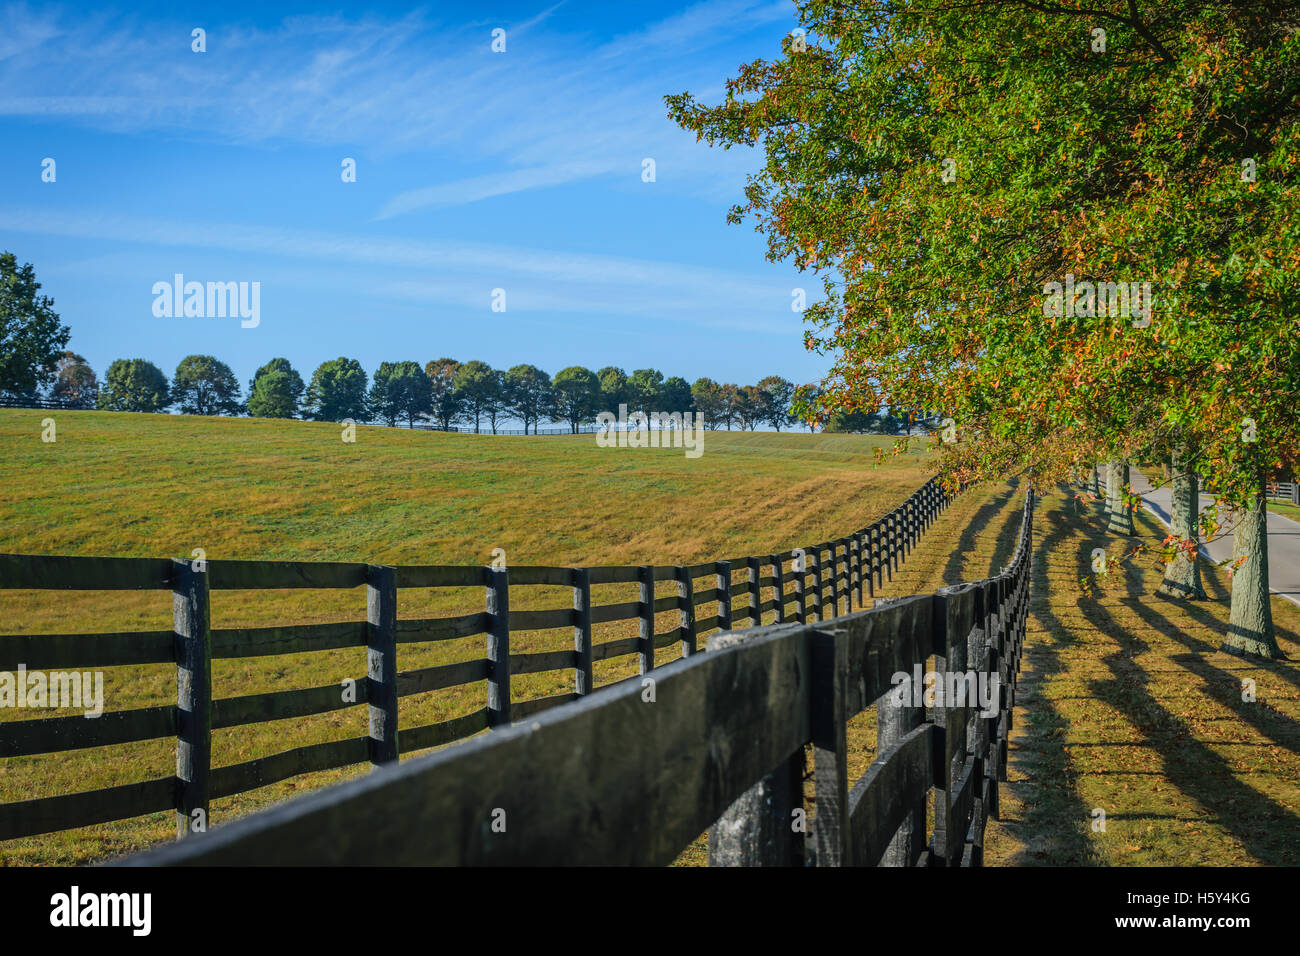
x=1053, y=828
x=965, y=543
x=1260, y=823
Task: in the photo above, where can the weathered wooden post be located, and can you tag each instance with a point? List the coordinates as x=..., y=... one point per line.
x=817, y=582
x=831, y=845
x=855, y=565
x=498, y=647
x=869, y=561
x=892, y=530
x=893, y=723
x=646, y=634
x=191, y=620
x=835, y=574
x=755, y=567
x=799, y=567
x=954, y=616
x=686, y=600
x=763, y=827
x=381, y=662
x=722, y=581
x=778, y=587
x=900, y=537
x=583, y=681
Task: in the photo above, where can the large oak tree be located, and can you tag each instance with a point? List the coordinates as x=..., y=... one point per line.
x=944, y=164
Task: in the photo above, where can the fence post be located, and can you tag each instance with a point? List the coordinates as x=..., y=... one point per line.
x=855, y=566
x=686, y=597
x=381, y=662
x=498, y=647
x=893, y=723
x=889, y=544
x=778, y=587
x=909, y=527
x=835, y=575
x=977, y=736
x=830, y=827
x=877, y=571
x=869, y=562
x=950, y=645
x=799, y=567
x=646, y=636
x=192, y=622
x=758, y=829
x=899, y=537
x=884, y=550
x=817, y=582
x=755, y=592
x=582, y=679
x=722, y=581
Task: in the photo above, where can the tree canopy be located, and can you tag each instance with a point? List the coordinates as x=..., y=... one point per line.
x=204, y=385
x=337, y=391
x=134, y=385
x=943, y=164
x=32, y=339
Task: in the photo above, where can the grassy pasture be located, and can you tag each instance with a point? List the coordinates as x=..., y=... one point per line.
x=1127, y=705
x=159, y=485
x=1125, y=702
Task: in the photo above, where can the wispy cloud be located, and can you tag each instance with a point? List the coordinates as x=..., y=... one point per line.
x=493, y=184
x=554, y=109
x=461, y=273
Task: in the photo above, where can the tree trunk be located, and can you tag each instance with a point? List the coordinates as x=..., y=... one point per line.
x=1250, y=625
x=1183, y=574
x=1120, y=518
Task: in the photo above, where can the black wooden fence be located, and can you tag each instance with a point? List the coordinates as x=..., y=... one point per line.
x=1288, y=491
x=806, y=585
x=634, y=772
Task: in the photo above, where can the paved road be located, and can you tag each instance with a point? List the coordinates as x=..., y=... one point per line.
x=1283, y=537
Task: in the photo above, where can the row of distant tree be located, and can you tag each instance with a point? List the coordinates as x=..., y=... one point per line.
x=34, y=359
x=447, y=392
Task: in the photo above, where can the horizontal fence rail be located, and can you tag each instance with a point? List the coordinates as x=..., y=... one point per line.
x=799, y=586
x=634, y=772
x=1288, y=491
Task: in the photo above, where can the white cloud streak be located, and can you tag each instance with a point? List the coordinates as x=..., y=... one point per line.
x=462, y=273
x=555, y=108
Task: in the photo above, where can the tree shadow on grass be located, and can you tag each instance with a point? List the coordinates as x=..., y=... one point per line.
x=956, y=572
x=1222, y=686
x=1258, y=822
x=1054, y=828
x=1285, y=669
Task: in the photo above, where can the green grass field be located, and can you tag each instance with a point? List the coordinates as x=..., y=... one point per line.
x=1125, y=704
x=159, y=485
x=1290, y=510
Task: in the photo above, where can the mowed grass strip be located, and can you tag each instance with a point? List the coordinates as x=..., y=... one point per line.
x=159, y=485
x=1126, y=706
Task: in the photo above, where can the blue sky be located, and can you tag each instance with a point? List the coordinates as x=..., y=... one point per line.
x=476, y=170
